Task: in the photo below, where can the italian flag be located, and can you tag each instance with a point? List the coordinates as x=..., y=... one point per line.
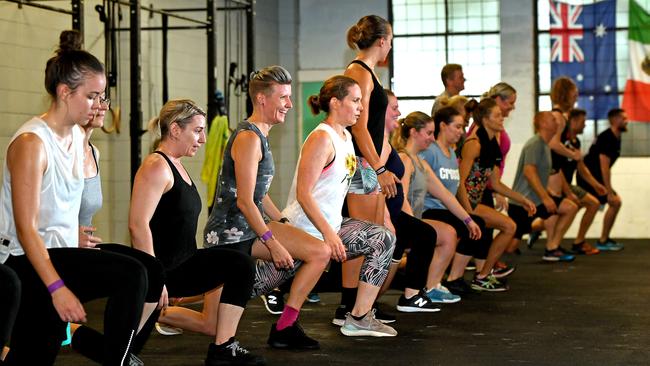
x=636, y=99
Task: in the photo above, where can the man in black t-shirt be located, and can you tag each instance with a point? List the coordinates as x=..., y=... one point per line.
x=602, y=155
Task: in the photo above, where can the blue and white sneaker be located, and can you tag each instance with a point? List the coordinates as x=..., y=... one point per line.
x=609, y=245
x=557, y=255
x=442, y=294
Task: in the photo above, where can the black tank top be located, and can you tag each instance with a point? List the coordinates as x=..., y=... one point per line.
x=173, y=225
x=394, y=165
x=376, y=112
x=558, y=162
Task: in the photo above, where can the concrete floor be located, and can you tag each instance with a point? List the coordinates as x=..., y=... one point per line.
x=593, y=311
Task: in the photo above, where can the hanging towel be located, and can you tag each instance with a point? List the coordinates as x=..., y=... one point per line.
x=214, y=147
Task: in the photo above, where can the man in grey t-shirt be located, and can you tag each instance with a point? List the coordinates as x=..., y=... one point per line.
x=531, y=178
x=454, y=81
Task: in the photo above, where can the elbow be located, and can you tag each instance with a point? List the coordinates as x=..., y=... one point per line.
x=242, y=204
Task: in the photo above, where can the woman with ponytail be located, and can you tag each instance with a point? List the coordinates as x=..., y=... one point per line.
x=414, y=135
x=325, y=169
x=480, y=161
x=45, y=167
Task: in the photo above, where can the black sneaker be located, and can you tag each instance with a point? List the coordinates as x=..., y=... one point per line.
x=339, y=315
x=231, y=353
x=458, y=287
x=503, y=272
x=384, y=317
x=274, y=302
x=532, y=238
x=419, y=303
x=292, y=337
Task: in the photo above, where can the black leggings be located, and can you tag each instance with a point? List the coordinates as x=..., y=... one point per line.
x=466, y=246
x=421, y=237
x=90, y=274
x=10, y=290
x=88, y=341
x=206, y=270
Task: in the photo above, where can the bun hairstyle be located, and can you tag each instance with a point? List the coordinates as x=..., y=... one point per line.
x=483, y=110
x=179, y=111
x=70, y=65
x=417, y=120
x=502, y=90
x=261, y=81
x=334, y=87
x=367, y=30
x=444, y=115
x=457, y=101
x=560, y=90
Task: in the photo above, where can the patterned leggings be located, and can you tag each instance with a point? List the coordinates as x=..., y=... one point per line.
x=360, y=238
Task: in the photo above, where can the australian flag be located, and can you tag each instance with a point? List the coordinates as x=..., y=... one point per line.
x=583, y=47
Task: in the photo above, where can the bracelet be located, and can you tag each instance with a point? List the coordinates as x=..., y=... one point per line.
x=266, y=236
x=284, y=220
x=467, y=220
x=380, y=170
x=55, y=286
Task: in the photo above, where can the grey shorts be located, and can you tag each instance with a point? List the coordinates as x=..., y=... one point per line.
x=364, y=180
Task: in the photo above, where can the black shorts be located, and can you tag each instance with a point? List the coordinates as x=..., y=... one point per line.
x=520, y=216
x=587, y=187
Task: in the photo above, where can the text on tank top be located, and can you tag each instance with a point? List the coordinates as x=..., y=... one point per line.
x=226, y=224
x=446, y=169
x=377, y=105
x=173, y=224
x=330, y=189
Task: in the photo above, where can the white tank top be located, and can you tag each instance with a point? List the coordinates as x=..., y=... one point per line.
x=60, y=196
x=330, y=188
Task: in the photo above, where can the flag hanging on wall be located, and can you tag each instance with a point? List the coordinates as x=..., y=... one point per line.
x=636, y=100
x=583, y=47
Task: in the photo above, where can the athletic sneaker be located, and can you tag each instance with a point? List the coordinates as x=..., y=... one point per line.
x=503, y=272
x=532, y=238
x=68, y=336
x=339, y=315
x=489, y=283
x=231, y=353
x=458, y=287
x=168, y=330
x=558, y=255
x=383, y=316
x=366, y=326
x=609, y=245
x=471, y=265
x=274, y=302
x=418, y=303
x=292, y=337
x=135, y=361
x=584, y=248
x=442, y=295
x=313, y=297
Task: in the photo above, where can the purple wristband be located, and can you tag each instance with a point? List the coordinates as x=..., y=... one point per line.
x=266, y=236
x=468, y=220
x=55, y=286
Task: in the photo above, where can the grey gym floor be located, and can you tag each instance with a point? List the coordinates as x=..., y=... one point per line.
x=594, y=311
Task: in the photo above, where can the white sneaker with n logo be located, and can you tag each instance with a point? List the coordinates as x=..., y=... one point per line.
x=419, y=303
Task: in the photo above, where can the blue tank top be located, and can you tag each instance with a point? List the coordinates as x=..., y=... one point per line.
x=226, y=224
x=445, y=168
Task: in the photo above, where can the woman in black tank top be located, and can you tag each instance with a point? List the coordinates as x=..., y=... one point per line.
x=165, y=206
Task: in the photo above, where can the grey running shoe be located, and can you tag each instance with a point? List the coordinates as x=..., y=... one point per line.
x=367, y=326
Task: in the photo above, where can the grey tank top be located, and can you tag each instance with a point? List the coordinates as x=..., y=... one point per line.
x=91, y=198
x=226, y=224
x=417, y=188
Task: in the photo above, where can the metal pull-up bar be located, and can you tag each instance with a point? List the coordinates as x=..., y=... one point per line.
x=77, y=11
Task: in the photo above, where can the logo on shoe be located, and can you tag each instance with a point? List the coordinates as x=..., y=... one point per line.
x=271, y=299
x=420, y=302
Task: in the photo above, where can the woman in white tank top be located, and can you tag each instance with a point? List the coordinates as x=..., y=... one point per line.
x=325, y=169
x=39, y=204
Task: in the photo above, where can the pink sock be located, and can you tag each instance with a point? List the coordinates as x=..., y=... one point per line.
x=288, y=317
